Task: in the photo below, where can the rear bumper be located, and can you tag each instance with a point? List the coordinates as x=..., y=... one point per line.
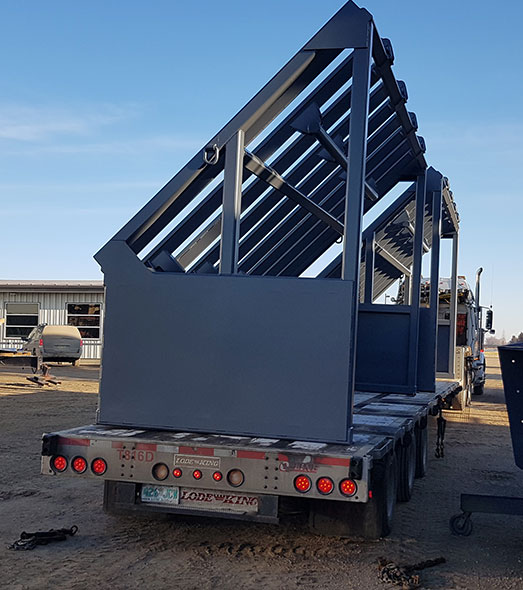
x=124, y=498
x=61, y=358
x=132, y=456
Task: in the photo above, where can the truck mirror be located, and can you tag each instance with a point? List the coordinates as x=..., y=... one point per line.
x=489, y=320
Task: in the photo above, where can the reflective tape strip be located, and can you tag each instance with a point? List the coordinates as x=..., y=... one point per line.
x=80, y=442
x=338, y=461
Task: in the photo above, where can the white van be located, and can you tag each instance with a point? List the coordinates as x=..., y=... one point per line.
x=55, y=343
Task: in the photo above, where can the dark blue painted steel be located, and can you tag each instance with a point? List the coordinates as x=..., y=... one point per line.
x=511, y=359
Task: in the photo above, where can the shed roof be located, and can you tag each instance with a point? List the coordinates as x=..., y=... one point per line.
x=51, y=285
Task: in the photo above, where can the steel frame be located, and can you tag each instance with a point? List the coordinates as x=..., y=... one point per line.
x=335, y=152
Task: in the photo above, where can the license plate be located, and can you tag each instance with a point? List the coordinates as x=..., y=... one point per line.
x=218, y=501
x=160, y=494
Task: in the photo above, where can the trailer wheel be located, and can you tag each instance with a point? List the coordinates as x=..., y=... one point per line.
x=407, y=467
x=422, y=449
x=479, y=389
x=370, y=520
x=378, y=512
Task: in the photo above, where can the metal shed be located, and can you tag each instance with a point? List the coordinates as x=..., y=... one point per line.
x=25, y=304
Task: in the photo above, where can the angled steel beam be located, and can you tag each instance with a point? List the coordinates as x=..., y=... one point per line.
x=384, y=253
x=310, y=123
x=383, y=59
x=259, y=258
x=450, y=206
x=273, y=179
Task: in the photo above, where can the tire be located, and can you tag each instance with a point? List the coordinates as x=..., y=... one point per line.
x=370, y=520
x=461, y=524
x=479, y=389
x=422, y=449
x=378, y=512
x=407, y=467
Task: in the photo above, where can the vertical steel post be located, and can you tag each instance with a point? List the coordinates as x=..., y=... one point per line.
x=232, y=204
x=406, y=290
x=415, y=286
x=453, y=305
x=354, y=195
x=370, y=250
x=432, y=344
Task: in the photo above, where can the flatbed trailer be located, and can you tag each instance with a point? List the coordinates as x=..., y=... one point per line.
x=152, y=471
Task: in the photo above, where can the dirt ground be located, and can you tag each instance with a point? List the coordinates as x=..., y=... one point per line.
x=129, y=552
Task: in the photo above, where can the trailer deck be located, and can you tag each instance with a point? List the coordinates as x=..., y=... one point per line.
x=271, y=466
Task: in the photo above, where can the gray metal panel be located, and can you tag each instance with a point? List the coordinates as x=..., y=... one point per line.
x=233, y=354
x=427, y=354
x=443, y=354
x=383, y=342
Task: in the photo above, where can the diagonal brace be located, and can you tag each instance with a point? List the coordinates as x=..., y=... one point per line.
x=274, y=179
x=310, y=123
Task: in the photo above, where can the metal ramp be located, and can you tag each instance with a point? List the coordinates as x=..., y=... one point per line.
x=209, y=269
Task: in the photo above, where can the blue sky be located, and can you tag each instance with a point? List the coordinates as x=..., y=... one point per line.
x=101, y=103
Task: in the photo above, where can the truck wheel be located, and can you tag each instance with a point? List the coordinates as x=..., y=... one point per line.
x=407, y=467
x=422, y=449
x=370, y=520
x=479, y=389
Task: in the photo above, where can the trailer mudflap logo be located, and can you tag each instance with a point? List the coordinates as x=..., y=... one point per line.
x=197, y=461
x=301, y=464
x=222, y=501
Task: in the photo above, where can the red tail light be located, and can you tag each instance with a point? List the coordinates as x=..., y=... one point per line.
x=177, y=472
x=99, y=466
x=197, y=474
x=59, y=463
x=217, y=476
x=348, y=487
x=41, y=343
x=325, y=485
x=79, y=464
x=302, y=483
x=81, y=342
